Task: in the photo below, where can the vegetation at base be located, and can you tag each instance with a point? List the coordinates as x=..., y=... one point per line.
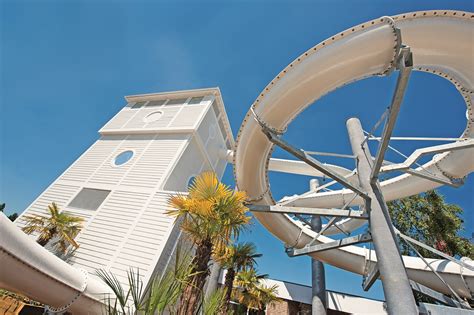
x=59, y=227
x=235, y=258
x=251, y=292
x=211, y=215
x=12, y=216
x=161, y=297
x=428, y=218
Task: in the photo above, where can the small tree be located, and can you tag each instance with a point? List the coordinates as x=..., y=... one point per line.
x=12, y=216
x=235, y=258
x=251, y=292
x=60, y=226
x=211, y=215
x=428, y=218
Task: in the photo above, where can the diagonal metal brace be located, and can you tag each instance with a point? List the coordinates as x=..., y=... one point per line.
x=418, y=153
x=435, y=251
x=361, y=238
x=434, y=178
x=405, y=65
x=434, y=294
x=371, y=277
x=303, y=156
x=349, y=213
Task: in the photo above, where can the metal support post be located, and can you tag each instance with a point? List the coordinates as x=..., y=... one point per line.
x=396, y=285
x=318, y=280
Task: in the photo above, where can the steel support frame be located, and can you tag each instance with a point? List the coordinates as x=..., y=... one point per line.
x=435, y=295
x=405, y=65
x=352, y=240
x=348, y=213
x=372, y=275
x=428, y=150
x=305, y=157
x=395, y=281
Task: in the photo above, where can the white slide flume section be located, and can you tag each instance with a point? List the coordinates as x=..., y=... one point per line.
x=33, y=271
x=441, y=43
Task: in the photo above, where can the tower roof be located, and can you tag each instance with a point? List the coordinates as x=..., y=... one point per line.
x=190, y=93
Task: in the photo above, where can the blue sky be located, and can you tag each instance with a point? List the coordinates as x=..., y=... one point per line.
x=65, y=68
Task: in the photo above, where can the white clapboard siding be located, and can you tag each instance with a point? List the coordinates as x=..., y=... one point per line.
x=121, y=118
x=152, y=165
x=190, y=164
x=108, y=229
x=188, y=116
x=142, y=246
x=168, y=114
x=85, y=166
x=138, y=121
x=58, y=193
x=203, y=130
x=215, y=145
x=108, y=172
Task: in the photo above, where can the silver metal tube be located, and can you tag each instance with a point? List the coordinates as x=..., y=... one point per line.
x=318, y=280
x=405, y=66
x=396, y=285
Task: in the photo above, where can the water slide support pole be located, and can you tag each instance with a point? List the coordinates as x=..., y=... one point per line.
x=396, y=286
x=318, y=281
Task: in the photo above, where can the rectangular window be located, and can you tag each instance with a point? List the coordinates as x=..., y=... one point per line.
x=155, y=103
x=177, y=101
x=89, y=199
x=195, y=100
x=138, y=104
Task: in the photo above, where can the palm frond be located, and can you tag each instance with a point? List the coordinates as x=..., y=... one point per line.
x=214, y=302
x=112, y=282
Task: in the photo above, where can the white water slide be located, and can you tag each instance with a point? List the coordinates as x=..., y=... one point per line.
x=33, y=271
x=442, y=43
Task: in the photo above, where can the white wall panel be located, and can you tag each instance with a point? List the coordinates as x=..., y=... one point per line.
x=153, y=164
x=60, y=194
x=108, y=229
x=92, y=159
x=121, y=118
x=190, y=164
x=138, y=121
x=188, y=116
x=108, y=173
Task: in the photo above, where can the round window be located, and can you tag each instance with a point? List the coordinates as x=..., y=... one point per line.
x=153, y=116
x=123, y=157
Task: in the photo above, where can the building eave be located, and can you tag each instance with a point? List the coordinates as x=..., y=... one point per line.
x=190, y=93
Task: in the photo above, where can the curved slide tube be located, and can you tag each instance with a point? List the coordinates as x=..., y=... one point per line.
x=441, y=43
x=31, y=270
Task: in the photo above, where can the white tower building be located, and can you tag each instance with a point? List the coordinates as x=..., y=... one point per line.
x=120, y=185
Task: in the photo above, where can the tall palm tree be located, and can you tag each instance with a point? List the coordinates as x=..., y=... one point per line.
x=59, y=226
x=251, y=292
x=235, y=258
x=211, y=215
